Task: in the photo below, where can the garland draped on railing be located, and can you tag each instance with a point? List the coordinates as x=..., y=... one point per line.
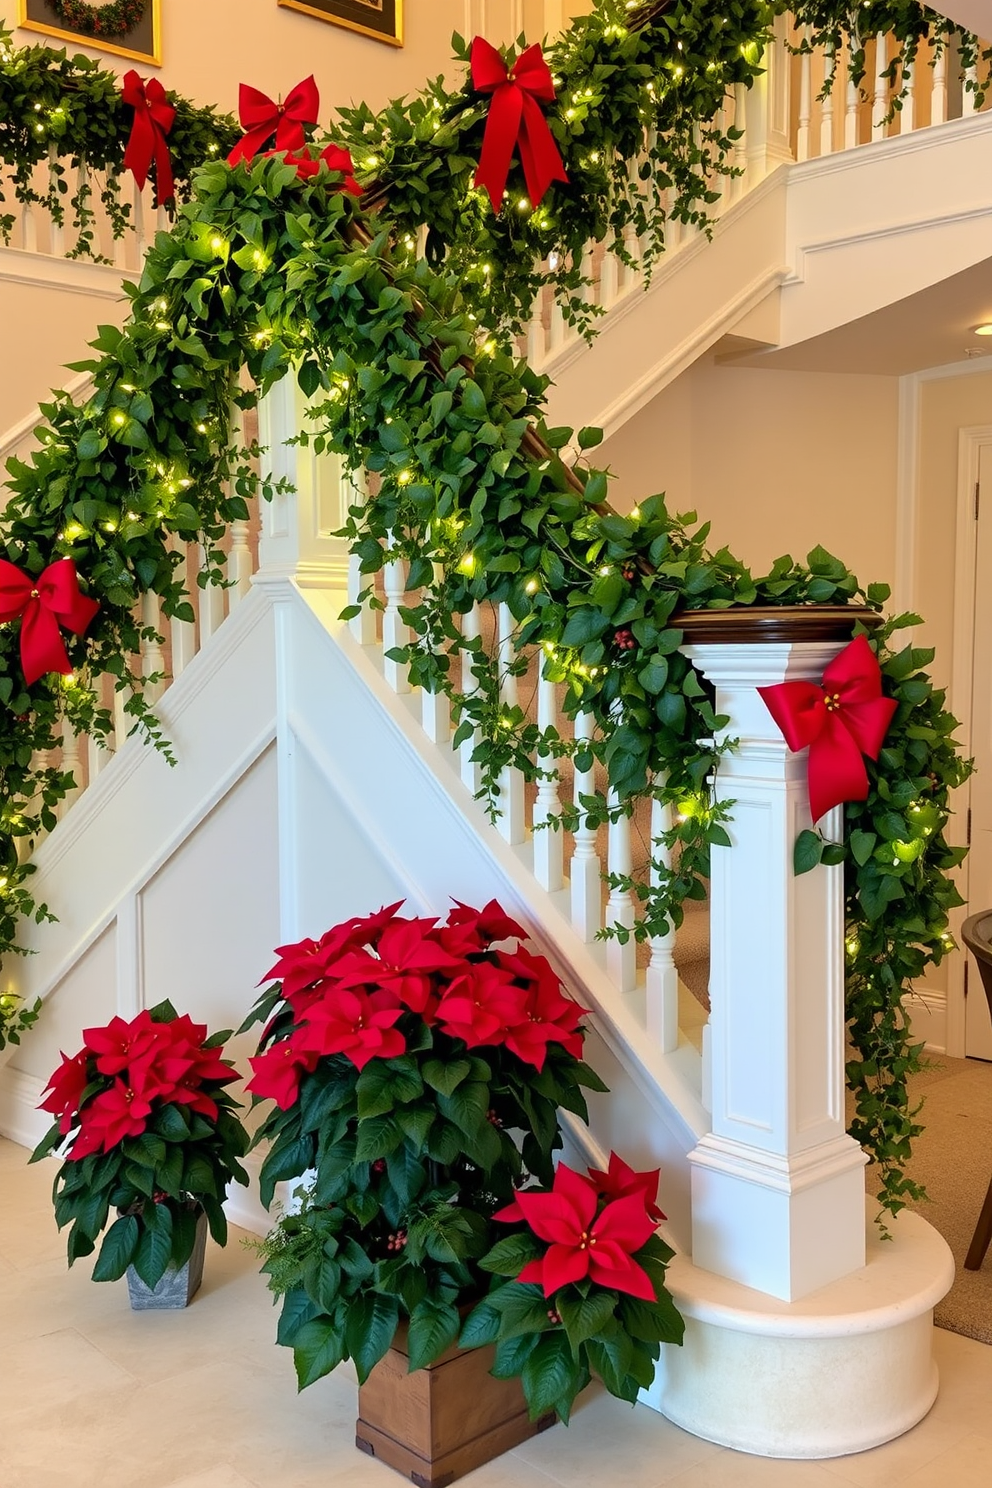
x=268, y=274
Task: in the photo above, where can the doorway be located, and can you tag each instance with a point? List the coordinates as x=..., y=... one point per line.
x=978, y=1026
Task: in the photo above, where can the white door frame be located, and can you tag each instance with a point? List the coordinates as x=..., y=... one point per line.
x=970, y=442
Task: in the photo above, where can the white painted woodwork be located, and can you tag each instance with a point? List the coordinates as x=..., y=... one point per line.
x=72, y=764
x=938, y=90
x=777, y=1185
x=805, y=101
x=471, y=770
x=395, y=633
x=662, y=980
x=585, y=870
x=511, y=802
x=182, y=633
x=152, y=655
x=548, y=842
x=907, y=114
x=850, y=112
x=880, y=98
x=210, y=601
x=827, y=103
x=621, y=954
x=57, y=227
x=435, y=709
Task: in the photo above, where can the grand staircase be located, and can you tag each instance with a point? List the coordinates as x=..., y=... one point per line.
x=312, y=783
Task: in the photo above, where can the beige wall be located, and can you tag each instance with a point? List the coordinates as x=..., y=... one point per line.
x=210, y=46
x=778, y=461
x=947, y=405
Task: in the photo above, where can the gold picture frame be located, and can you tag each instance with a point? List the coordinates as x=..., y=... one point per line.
x=380, y=19
x=38, y=15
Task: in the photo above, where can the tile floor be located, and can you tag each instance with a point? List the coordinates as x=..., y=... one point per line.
x=95, y=1396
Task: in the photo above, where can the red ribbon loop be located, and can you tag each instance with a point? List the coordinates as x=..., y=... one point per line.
x=42, y=605
x=334, y=157
x=261, y=117
x=515, y=121
x=153, y=117
x=838, y=722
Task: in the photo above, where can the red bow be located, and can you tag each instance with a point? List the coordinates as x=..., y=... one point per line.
x=260, y=117
x=515, y=120
x=840, y=721
x=153, y=116
x=334, y=157
x=44, y=603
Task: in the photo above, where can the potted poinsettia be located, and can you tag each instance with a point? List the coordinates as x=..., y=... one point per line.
x=418, y=1069
x=145, y=1127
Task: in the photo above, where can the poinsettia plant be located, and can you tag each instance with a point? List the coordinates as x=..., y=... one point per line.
x=146, y=1127
x=417, y=1070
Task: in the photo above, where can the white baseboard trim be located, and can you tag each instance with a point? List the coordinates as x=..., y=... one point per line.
x=928, y=1018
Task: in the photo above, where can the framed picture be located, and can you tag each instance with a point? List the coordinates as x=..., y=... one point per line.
x=382, y=19
x=128, y=28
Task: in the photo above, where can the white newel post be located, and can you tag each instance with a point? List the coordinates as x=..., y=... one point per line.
x=296, y=540
x=807, y=1335
x=777, y=1185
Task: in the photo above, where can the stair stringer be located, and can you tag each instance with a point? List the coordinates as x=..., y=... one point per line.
x=406, y=795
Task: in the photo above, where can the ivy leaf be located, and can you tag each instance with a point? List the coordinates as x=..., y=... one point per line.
x=807, y=852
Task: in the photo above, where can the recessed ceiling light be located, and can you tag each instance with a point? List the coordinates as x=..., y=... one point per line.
x=984, y=330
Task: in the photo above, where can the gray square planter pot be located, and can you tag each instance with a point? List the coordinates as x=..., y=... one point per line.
x=177, y=1287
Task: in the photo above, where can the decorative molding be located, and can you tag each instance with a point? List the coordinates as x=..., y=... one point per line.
x=26, y=426
x=68, y=275
x=897, y=144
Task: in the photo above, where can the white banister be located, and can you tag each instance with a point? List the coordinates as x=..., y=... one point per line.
x=827, y=104
x=805, y=100
x=585, y=871
x=395, y=634
x=621, y=950
x=152, y=655
x=548, y=846
x=54, y=177
x=880, y=100
x=471, y=770
x=210, y=601
x=435, y=709
x=71, y=765
x=182, y=633
x=850, y=115
x=938, y=89
x=511, y=801
x=907, y=114
x=662, y=978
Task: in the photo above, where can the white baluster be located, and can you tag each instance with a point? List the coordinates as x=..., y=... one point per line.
x=938, y=93
x=120, y=245
x=394, y=633
x=362, y=625
x=211, y=604
x=827, y=104
x=435, y=709
x=72, y=764
x=621, y=956
x=585, y=872
x=740, y=145
x=590, y=291
x=805, y=101
x=907, y=114
x=536, y=340
x=182, y=633
x=470, y=769
x=123, y=722
x=510, y=805
x=82, y=190
x=969, y=101
x=29, y=228
x=609, y=280
x=662, y=978
x=850, y=113
x=58, y=228
x=152, y=655
x=548, y=846
x=140, y=230
x=880, y=101
x=559, y=330
x=239, y=564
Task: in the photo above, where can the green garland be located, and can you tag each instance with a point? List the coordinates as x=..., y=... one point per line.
x=100, y=20
x=49, y=99
x=266, y=273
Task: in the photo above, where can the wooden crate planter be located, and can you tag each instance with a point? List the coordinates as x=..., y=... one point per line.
x=441, y=1422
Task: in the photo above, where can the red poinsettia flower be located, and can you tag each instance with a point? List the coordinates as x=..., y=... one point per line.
x=122, y=1111
x=581, y=1242
x=482, y=1004
x=619, y=1181
x=118, y=1044
x=406, y=958
x=469, y=930
x=277, y=1073
x=302, y=965
x=357, y=1023
x=551, y=1017
x=65, y=1089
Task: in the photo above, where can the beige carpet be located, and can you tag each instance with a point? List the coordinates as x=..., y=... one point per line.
x=953, y=1158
